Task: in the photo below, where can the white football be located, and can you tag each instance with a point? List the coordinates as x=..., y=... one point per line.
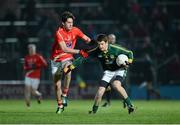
x=121, y=59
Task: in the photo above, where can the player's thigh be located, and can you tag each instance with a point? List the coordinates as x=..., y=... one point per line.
x=66, y=63
x=56, y=68
x=35, y=84
x=27, y=82
x=117, y=82
x=108, y=75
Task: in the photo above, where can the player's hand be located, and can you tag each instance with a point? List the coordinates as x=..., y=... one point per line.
x=68, y=69
x=129, y=61
x=124, y=66
x=83, y=53
x=127, y=64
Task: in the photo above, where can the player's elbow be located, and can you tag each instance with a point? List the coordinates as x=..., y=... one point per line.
x=88, y=40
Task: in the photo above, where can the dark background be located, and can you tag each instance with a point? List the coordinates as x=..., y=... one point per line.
x=150, y=28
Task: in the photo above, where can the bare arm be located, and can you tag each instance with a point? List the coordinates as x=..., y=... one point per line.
x=68, y=50
x=86, y=38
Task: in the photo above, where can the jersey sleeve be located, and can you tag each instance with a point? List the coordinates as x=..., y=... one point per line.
x=59, y=37
x=79, y=33
x=122, y=50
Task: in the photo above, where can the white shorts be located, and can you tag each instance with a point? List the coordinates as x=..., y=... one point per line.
x=110, y=75
x=33, y=82
x=57, y=67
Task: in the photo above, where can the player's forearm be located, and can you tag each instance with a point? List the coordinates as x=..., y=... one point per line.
x=65, y=49
x=130, y=55
x=86, y=38
x=72, y=51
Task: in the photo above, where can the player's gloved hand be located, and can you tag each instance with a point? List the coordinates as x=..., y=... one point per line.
x=83, y=53
x=68, y=69
x=129, y=62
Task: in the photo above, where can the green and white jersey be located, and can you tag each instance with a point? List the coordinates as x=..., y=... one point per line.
x=108, y=58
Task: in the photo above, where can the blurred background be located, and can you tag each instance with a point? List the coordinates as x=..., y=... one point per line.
x=150, y=28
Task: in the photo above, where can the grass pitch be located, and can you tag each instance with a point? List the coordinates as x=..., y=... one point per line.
x=15, y=111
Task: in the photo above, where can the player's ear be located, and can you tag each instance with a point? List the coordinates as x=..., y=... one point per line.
x=63, y=23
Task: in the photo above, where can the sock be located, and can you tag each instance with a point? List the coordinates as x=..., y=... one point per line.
x=65, y=91
x=95, y=108
x=128, y=102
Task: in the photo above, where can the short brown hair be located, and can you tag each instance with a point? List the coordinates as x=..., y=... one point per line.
x=65, y=15
x=102, y=37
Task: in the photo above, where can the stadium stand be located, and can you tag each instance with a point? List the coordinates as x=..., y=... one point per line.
x=148, y=27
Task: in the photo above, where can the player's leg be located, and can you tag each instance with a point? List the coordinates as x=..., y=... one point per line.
x=35, y=86
x=117, y=86
x=58, y=92
x=107, y=97
x=98, y=96
x=98, y=99
x=67, y=80
x=27, y=91
x=57, y=74
x=103, y=84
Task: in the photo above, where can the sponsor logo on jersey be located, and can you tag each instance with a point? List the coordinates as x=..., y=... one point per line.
x=69, y=44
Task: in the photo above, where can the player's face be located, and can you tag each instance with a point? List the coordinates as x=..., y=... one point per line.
x=112, y=39
x=32, y=50
x=68, y=24
x=103, y=46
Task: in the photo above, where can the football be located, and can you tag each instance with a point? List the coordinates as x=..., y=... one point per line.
x=121, y=59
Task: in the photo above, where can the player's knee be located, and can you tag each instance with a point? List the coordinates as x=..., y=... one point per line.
x=117, y=82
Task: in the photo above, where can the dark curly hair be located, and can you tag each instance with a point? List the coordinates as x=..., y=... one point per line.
x=65, y=15
x=102, y=37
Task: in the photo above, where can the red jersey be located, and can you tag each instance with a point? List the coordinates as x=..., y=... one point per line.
x=69, y=37
x=33, y=64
